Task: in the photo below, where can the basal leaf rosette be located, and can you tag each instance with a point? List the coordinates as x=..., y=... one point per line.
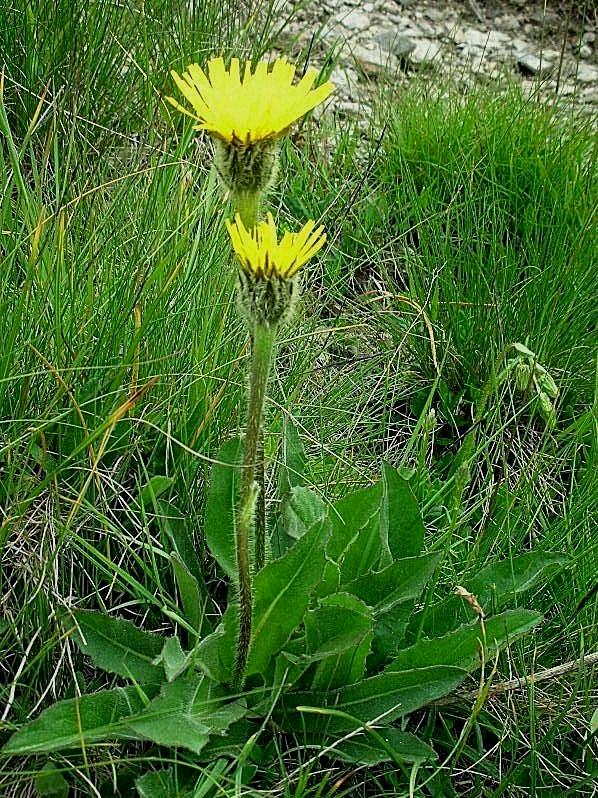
x=246, y=111
x=269, y=267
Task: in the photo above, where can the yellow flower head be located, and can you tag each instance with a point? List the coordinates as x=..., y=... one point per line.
x=262, y=256
x=259, y=106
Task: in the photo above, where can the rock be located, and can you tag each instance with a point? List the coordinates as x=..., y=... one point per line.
x=401, y=46
x=530, y=64
x=355, y=20
x=507, y=22
x=588, y=38
x=586, y=73
x=425, y=51
x=436, y=14
x=481, y=40
x=374, y=60
x=348, y=109
x=345, y=80
x=585, y=51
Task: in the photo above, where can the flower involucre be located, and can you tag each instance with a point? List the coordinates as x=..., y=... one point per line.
x=261, y=255
x=259, y=106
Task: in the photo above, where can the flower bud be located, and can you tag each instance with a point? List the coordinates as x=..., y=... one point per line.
x=546, y=382
x=523, y=376
x=546, y=408
x=246, y=168
x=268, y=302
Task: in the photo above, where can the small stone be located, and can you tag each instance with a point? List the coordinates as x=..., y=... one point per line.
x=585, y=51
x=588, y=38
x=345, y=80
x=425, y=52
x=348, y=109
x=507, y=22
x=586, y=73
x=530, y=64
x=355, y=20
x=472, y=38
x=373, y=60
x=401, y=46
x=435, y=14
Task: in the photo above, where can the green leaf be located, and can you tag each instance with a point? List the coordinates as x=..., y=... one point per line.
x=402, y=581
x=155, y=487
x=339, y=623
x=170, y=719
x=495, y=586
x=281, y=595
x=292, y=472
x=173, y=658
x=193, y=595
x=185, y=714
x=389, y=633
x=349, y=516
x=387, y=696
x=215, y=654
x=367, y=750
x=80, y=721
x=510, y=577
x=157, y=784
x=330, y=581
x=303, y=509
x=355, y=542
x=338, y=633
x=402, y=528
x=460, y=647
x=392, y=594
x=174, y=527
x=594, y=722
x=118, y=646
x=50, y=782
x=221, y=504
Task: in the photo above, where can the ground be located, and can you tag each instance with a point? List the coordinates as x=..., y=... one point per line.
x=550, y=46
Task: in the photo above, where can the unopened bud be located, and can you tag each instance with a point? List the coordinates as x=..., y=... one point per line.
x=268, y=302
x=546, y=383
x=523, y=376
x=430, y=421
x=546, y=408
x=246, y=167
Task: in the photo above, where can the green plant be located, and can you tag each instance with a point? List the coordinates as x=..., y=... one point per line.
x=339, y=649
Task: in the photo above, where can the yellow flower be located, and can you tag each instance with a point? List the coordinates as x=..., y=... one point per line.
x=261, y=255
x=262, y=105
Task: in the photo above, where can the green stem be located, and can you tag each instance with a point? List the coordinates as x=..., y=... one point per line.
x=260, y=510
x=263, y=342
x=247, y=205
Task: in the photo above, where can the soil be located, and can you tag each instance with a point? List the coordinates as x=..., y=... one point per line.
x=550, y=47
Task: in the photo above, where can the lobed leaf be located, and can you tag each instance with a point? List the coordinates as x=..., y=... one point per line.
x=118, y=646
x=78, y=722
x=381, y=698
x=461, y=647
x=402, y=528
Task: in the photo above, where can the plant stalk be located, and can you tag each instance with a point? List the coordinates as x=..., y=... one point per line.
x=247, y=205
x=263, y=343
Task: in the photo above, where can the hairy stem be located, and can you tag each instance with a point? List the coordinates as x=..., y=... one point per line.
x=247, y=205
x=263, y=342
x=260, y=509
